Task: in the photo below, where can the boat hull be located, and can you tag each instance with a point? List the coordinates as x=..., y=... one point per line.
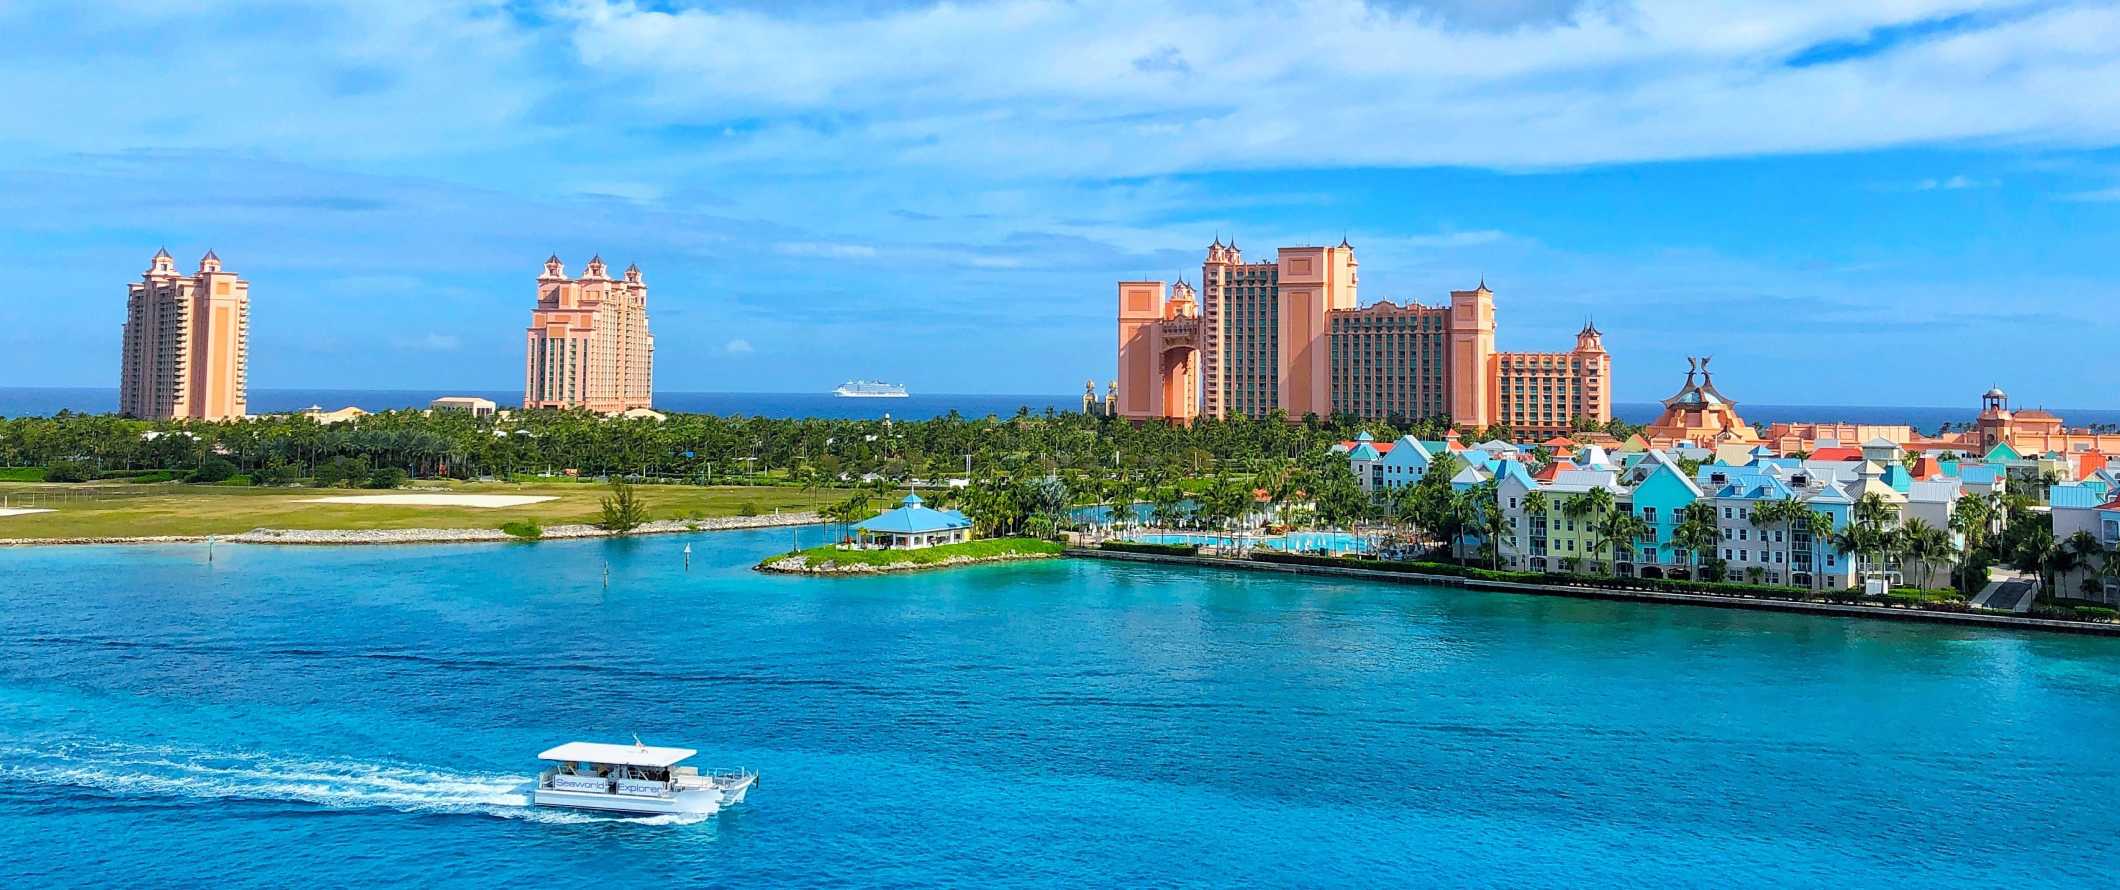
x=704, y=800
x=872, y=395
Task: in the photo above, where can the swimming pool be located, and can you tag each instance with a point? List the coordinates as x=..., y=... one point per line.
x=1336, y=542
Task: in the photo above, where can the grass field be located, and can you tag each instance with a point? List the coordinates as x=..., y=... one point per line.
x=977, y=549
x=120, y=509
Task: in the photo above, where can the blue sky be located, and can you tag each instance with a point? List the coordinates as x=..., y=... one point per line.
x=1895, y=204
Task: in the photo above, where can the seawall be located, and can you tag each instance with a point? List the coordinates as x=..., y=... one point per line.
x=1838, y=610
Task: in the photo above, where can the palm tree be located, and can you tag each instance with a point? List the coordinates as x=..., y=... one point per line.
x=1924, y=545
x=1590, y=508
x=1869, y=532
x=1619, y=527
x=1819, y=528
x=1696, y=534
x=2084, y=551
x=1493, y=525
x=1535, y=511
x=1971, y=518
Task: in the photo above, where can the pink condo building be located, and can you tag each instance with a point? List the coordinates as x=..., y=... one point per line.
x=1288, y=334
x=187, y=343
x=589, y=345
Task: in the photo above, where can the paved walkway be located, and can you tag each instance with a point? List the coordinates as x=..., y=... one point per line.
x=2014, y=593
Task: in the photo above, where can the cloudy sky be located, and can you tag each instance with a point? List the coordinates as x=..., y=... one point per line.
x=1888, y=202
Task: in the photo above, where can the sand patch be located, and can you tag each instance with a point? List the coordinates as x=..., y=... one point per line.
x=22, y=511
x=436, y=500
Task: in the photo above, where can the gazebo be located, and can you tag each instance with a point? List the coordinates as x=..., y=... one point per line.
x=911, y=526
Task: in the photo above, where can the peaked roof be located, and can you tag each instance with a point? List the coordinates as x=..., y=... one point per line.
x=914, y=517
x=1829, y=493
x=1664, y=463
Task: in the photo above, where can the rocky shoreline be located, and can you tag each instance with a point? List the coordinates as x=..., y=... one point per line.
x=434, y=535
x=799, y=565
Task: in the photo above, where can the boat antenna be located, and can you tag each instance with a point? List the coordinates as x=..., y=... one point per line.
x=637, y=742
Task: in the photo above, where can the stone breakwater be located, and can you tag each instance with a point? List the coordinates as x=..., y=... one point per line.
x=799, y=565
x=436, y=535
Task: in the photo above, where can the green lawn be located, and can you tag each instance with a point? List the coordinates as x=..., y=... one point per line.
x=985, y=547
x=123, y=509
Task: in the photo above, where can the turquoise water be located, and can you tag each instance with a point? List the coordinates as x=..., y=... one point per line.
x=1336, y=542
x=322, y=717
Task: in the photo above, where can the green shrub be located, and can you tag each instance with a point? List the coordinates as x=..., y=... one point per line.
x=1140, y=547
x=386, y=477
x=747, y=508
x=69, y=471
x=212, y=469
x=523, y=528
x=341, y=471
x=152, y=476
x=273, y=474
x=622, y=511
x=22, y=474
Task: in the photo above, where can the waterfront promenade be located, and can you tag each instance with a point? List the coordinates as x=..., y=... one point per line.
x=1723, y=601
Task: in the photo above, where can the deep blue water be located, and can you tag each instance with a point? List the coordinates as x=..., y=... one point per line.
x=336, y=716
x=37, y=401
x=33, y=401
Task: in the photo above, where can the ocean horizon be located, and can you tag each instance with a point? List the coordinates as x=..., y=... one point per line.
x=44, y=401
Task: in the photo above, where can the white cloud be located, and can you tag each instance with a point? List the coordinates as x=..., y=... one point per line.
x=738, y=347
x=826, y=249
x=429, y=342
x=2099, y=195
x=1954, y=183
x=1446, y=240
x=1029, y=88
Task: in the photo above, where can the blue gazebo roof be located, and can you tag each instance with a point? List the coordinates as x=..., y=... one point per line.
x=912, y=517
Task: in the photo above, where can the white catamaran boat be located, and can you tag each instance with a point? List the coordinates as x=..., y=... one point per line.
x=869, y=389
x=635, y=778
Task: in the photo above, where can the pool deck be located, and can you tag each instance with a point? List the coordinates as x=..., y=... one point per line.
x=1721, y=601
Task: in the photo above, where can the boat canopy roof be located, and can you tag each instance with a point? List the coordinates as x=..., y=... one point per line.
x=617, y=755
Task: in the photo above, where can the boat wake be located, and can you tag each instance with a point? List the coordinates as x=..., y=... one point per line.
x=144, y=771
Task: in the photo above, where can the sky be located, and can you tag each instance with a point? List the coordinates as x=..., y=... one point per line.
x=1895, y=202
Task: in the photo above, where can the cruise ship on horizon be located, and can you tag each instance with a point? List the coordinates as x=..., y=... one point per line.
x=870, y=389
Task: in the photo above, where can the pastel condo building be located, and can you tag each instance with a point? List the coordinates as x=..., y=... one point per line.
x=1289, y=334
x=588, y=343
x=187, y=342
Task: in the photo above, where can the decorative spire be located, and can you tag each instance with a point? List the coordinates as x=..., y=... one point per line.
x=1343, y=241
x=163, y=254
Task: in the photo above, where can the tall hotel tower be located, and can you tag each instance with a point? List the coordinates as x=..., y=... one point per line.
x=187, y=343
x=1287, y=334
x=589, y=345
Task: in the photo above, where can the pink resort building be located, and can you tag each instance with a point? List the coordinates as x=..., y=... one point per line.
x=589, y=345
x=187, y=342
x=1288, y=334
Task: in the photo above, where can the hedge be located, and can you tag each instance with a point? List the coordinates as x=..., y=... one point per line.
x=1911, y=596
x=1161, y=549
